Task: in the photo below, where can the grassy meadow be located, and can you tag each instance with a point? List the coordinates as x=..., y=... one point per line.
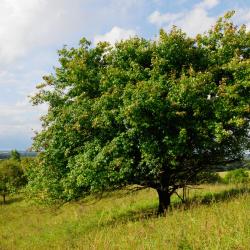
x=216, y=217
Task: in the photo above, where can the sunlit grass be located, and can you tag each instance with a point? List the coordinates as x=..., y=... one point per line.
x=212, y=219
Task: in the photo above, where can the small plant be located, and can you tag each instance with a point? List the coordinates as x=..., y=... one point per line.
x=237, y=176
x=184, y=245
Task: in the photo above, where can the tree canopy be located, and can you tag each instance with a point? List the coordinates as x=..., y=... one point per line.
x=142, y=112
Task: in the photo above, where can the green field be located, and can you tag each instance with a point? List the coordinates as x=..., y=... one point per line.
x=217, y=217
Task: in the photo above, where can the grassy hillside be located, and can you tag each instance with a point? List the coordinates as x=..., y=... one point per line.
x=217, y=217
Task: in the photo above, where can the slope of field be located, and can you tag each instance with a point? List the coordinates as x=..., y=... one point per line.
x=217, y=217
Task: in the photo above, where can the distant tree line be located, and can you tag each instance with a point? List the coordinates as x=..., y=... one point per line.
x=7, y=154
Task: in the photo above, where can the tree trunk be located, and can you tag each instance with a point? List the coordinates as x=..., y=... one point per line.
x=4, y=198
x=164, y=200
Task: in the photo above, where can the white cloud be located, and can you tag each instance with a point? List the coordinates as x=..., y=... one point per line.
x=161, y=19
x=194, y=21
x=16, y=27
x=114, y=35
x=20, y=118
x=207, y=4
x=242, y=16
x=28, y=24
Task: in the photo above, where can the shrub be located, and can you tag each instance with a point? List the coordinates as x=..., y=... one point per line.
x=11, y=177
x=237, y=176
x=208, y=177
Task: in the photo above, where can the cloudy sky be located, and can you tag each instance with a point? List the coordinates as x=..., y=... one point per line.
x=31, y=32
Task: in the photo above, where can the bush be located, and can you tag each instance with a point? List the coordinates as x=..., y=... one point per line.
x=11, y=177
x=237, y=176
x=208, y=177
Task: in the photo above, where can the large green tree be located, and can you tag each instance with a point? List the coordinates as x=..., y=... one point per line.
x=148, y=113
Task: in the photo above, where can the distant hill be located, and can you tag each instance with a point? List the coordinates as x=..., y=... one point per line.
x=6, y=154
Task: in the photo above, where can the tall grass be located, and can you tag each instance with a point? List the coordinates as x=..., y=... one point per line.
x=216, y=217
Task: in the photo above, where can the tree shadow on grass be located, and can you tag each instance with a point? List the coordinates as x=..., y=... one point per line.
x=10, y=200
x=225, y=195
x=205, y=199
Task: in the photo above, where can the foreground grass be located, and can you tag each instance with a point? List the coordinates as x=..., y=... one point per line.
x=217, y=217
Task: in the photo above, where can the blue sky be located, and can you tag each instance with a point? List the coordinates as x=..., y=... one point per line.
x=31, y=32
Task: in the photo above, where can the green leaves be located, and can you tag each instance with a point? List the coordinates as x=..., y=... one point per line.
x=151, y=113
